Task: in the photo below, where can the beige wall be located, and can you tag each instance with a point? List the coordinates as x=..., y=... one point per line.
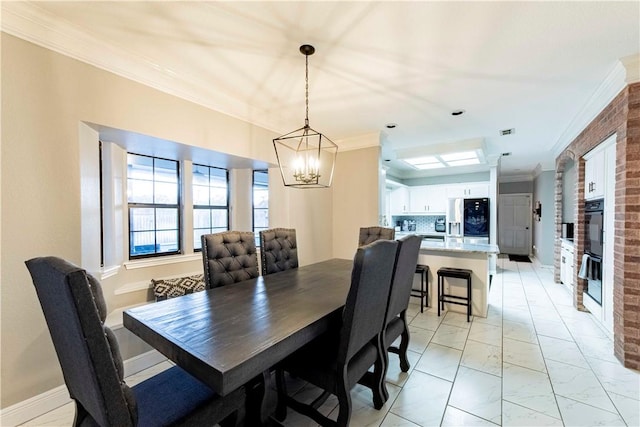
x=355, y=198
x=45, y=99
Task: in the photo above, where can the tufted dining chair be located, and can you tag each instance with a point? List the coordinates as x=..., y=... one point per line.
x=75, y=310
x=229, y=257
x=371, y=234
x=278, y=250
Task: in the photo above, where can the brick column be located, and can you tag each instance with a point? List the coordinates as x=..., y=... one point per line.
x=622, y=117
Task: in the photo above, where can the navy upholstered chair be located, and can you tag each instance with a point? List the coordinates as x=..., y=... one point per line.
x=336, y=361
x=229, y=257
x=75, y=310
x=371, y=234
x=278, y=250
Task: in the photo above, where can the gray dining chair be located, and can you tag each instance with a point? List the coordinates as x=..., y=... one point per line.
x=75, y=310
x=338, y=359
x=371, y=234
x=229, y=257
x=396, y=318
x=397, y=304
x=278, y=250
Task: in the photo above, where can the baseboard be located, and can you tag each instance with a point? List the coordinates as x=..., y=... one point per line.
x=35, y=406
x=39, y=405
x=536, y=261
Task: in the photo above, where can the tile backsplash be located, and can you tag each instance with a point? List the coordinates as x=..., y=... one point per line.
x=424, y=223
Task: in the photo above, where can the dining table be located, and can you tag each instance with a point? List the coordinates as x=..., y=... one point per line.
x=232, y=336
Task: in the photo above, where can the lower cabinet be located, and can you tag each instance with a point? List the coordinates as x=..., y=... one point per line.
x=567, y=263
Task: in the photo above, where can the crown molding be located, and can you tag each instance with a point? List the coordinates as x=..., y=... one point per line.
x=540, y=168
x=515, y=178
x=631, y=64
x=604, y=94
x=371, y=139
x=29, y=22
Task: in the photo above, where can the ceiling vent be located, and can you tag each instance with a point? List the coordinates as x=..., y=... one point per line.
x=507, y=132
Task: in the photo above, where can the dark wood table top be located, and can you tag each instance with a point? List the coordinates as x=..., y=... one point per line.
x=229, y=335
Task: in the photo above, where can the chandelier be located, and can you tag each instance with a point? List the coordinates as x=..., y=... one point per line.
x=306, y=157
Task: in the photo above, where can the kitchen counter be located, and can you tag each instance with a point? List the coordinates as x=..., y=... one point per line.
x=436, y=234
x=451, y=246
x=474, y=257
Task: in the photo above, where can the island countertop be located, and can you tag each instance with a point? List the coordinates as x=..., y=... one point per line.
x=450, y=246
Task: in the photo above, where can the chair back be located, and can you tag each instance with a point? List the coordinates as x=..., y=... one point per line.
x=278, y=250
x=364, y=313
x=371, y=234
x=405, y=269
x=229, y=257
x=75, y=310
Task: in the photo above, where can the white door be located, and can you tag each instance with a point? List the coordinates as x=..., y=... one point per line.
x=514, y=224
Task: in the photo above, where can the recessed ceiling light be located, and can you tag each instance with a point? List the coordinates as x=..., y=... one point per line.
x=457, y=112
x=391, y=125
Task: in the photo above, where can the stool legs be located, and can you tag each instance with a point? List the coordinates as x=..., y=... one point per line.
x=426, y=290
x=453, y=299
x=469, y=302
x=424, y=287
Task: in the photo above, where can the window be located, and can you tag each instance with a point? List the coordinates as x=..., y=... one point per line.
x=260, y=202
x=153, y=193
x=210, y=202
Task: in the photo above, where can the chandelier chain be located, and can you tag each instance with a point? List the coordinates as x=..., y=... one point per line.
x=306, y=89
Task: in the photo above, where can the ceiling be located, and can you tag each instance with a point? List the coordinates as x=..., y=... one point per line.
x=530, y=66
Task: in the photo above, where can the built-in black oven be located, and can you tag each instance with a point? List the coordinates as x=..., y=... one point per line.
x=593, y=220
x=593, y=232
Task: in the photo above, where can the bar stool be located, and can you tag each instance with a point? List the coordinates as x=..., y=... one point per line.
x=454, y=273
x=423, y=271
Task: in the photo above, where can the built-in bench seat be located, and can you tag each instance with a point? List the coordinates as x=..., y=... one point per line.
x=162, y=289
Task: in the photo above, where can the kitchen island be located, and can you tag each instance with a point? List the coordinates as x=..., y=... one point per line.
x=475, y=257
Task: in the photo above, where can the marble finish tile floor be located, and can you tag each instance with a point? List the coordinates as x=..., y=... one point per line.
x=533, y=361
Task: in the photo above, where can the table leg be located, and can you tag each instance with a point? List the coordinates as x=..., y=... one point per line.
x=257, y=407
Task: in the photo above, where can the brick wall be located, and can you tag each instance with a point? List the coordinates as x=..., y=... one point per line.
x=622, y=117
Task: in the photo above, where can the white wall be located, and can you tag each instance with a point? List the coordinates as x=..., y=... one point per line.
x=47, y=99
x=544, y=230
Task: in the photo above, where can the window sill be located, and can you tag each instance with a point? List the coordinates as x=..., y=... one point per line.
x=107, y=272
x=158, y=261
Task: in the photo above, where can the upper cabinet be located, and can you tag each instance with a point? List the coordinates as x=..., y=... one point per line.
x=594, y=175
x=468, y=190
x=399, y=201
x=430, y=199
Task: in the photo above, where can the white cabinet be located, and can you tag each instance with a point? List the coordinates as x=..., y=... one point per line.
x=429, y=199
x=399, y=201
x=468, y=190
x=567, y=263
x=599, y=182
x=594, y=173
